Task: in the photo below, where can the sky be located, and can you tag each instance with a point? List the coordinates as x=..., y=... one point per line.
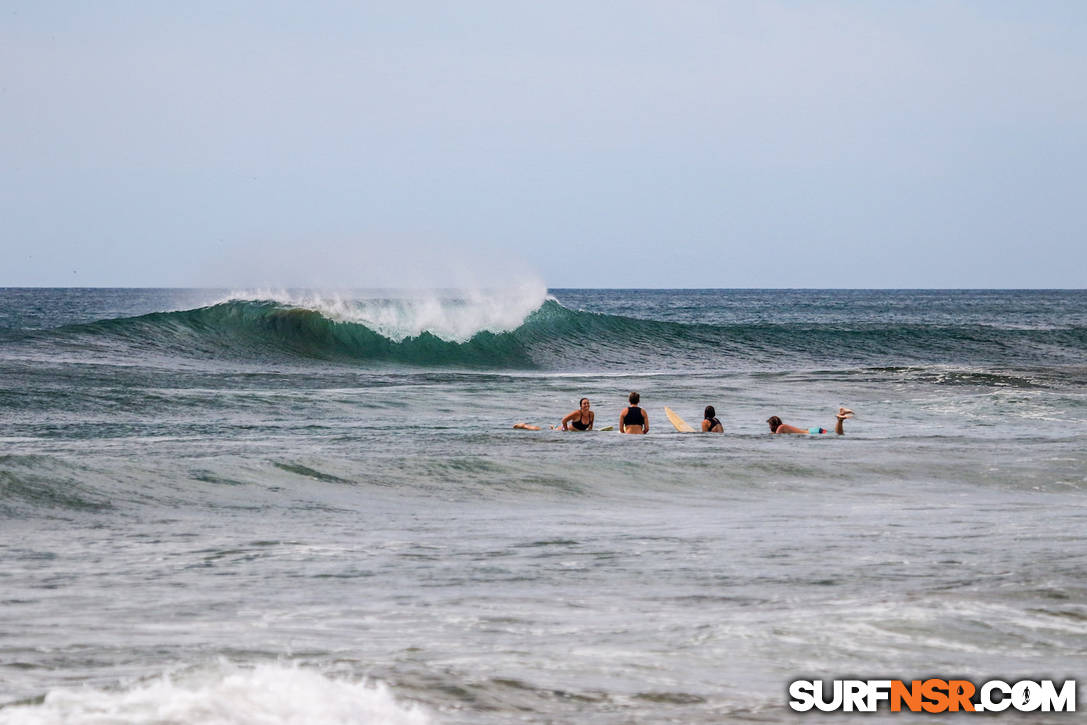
x=583, y=144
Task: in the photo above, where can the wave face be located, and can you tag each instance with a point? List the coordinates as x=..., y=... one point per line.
x=532, y=332
x=262, y=328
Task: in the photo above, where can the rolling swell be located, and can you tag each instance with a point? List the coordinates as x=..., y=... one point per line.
x=556, y=337
x=35, y=482
x=262, y=329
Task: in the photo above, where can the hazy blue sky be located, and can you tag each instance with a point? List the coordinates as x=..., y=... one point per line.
x=598, y=144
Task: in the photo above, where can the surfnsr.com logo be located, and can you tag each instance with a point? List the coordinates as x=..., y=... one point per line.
x=932, y=695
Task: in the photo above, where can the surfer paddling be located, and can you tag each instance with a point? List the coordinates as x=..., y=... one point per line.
x=580, y=419
x=633, y=419
x=776, y=426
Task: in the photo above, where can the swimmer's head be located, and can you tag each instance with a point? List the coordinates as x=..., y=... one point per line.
x=583, y=403
x=710, y=412
x=634, y=398
x=775, y=423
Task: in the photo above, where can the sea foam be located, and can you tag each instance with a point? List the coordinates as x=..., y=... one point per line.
x=225, y=695
x=453, y=316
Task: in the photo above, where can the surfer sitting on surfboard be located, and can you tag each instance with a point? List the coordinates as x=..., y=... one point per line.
x=633, y=419
x=580, y=419
x=710, y=424
x=776, y=426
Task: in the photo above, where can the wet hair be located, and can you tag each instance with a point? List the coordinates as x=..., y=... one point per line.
x=710, y=412
x=775, y=423
x=581, y=401
x=634, y=398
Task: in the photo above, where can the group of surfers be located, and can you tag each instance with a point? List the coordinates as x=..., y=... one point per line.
x=634, y=419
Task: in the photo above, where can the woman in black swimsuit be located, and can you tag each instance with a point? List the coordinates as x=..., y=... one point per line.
x=580, y=419
x=710, y=424
x=633, y=419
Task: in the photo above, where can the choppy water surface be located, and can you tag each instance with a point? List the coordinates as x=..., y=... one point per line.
x=255, y=507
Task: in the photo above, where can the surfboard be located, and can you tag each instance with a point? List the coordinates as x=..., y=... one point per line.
x=681, y=425
x=607, y=427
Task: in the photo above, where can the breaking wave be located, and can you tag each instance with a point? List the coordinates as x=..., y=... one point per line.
x=230, y=695
x=538, y=332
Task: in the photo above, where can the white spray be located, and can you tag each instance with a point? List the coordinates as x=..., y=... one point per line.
x=226, y=695
x=452, y=315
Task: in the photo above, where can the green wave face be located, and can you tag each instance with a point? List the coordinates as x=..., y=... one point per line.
x=262, y=329
x=555, y=337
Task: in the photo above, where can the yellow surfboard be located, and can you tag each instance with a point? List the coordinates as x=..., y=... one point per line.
x=681, y=425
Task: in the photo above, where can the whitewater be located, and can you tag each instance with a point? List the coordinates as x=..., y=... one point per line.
x=285, y=506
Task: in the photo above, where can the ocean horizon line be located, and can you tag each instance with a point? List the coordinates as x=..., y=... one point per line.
x=215, y=288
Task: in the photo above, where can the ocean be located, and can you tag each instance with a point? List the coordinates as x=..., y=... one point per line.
x=222, y=506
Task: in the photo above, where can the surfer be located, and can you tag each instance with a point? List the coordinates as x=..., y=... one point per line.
x=633, y=419
x=776, y=426
x=580, y=419
x=710, y=423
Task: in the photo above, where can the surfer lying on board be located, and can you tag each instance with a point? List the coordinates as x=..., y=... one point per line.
x=580, y=419
x=776, y=426
x=633, y=419
x=710, y=424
